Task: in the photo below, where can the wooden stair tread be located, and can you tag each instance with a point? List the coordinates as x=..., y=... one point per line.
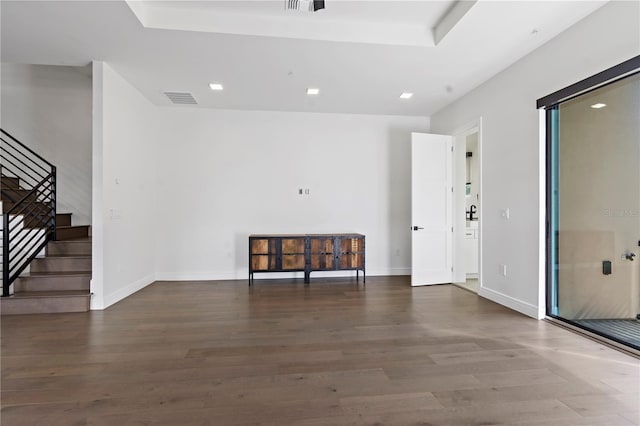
x=66, y=256
x=66, y=233
x=41, y=294
x=73, y=240
x=56, y=274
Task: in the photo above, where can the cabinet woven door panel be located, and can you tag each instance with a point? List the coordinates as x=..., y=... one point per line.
x=351, y=245
x=263, y=246
x=322, y=256
x=321, y=245
x=263, y=262
x=293, y=246
x=322, y=261
x=260, y=246
x=351, y=260
x=293, y=261
x=351, y=253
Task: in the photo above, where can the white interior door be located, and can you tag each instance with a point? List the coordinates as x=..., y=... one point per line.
x=431, y=209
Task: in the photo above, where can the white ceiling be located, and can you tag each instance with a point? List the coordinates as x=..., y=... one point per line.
x=361, y=54
x=404, y=23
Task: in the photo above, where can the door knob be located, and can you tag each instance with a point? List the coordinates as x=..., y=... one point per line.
x=415, y=228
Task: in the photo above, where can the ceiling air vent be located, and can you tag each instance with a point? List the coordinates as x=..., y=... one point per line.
x=304, y=5
x=181, y=98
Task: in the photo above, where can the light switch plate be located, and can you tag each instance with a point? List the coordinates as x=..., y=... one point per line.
x=505, y=213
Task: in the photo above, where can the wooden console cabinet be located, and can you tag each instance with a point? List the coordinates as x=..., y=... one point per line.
x=306, y=253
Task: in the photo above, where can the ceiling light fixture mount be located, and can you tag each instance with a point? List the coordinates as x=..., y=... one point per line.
x=406, y=95
x=313, y=91
x=215, y=86
x=598, y=106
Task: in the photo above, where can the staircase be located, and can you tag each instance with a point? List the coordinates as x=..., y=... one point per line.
x=49, y=260
x=59, y=280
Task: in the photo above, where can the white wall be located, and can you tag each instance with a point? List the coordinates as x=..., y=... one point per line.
x=124, y=209
x=177, y=191
x=48, y=108
x=226, y=174
x=511, y=156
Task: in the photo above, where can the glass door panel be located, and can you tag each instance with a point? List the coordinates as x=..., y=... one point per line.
x=595, y=210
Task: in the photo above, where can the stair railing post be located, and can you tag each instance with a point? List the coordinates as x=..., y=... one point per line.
x=5, y=256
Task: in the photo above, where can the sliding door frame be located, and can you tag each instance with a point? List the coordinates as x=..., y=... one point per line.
x=550, y=104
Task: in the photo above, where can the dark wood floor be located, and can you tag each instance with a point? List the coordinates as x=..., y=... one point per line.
x=332, y=353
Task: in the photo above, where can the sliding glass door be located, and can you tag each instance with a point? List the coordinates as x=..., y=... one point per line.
x=594, y=209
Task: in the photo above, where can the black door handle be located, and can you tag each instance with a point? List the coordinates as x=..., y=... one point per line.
x=415, y=228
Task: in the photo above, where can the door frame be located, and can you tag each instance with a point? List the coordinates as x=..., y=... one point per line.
x=459, y=217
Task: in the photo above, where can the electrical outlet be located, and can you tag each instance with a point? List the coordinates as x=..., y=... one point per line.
x=503, y=270
x=505, y=213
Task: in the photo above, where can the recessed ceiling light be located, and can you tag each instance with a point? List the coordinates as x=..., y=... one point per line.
x=215, y=86
x=312, y=91
x=598, y=106
x=406, y=95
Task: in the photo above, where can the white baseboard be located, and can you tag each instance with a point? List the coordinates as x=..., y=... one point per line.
x=200, y=276
x=127, y=291
x=389, y=271
x=511, y=303
x=96, y=303
x=244, y=274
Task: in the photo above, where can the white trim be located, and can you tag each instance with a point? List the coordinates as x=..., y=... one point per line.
x=542, y=215
x=511, y=303
x=389, y=271
x=202, y=276
x=96, y=303
x=244, y=274
x=127, y=291
x=97, y=191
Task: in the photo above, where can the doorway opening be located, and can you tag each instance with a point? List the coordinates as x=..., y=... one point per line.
x=445, y=208
x=467, y=210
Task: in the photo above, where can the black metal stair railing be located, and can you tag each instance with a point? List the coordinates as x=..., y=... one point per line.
x=28, y=207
